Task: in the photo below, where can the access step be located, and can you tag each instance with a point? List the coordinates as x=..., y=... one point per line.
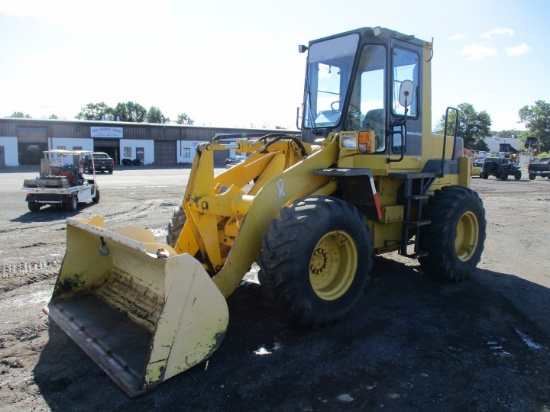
x=418, y=223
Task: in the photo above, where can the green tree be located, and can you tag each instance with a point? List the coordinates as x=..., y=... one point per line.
x=129, y=112
x=537, y=121
x=183, y=118
x=473, y=127
x=154, y=115
x=506, y=133
x=20, y=115
x=94, y=111
x=53, y=116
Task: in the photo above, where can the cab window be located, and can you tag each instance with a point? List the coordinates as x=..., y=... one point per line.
x=367, y=103
x=405, y=67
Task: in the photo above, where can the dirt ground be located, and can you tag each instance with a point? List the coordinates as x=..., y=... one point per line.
x=410, y=344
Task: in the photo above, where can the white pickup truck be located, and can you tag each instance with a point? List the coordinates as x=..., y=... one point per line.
x=61, y=182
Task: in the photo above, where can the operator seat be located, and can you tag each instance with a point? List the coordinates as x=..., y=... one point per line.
x=374, y=120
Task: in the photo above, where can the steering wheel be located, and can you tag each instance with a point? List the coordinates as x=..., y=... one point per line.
x=353, y=110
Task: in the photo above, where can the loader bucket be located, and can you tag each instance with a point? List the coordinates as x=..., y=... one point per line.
x=140, y=316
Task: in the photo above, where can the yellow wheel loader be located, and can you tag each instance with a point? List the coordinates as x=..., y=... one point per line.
x=365, y=176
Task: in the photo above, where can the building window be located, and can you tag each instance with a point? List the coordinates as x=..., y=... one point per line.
x=128, y=152
x=186, y=152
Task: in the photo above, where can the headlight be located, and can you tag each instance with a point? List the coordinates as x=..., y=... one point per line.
x=349, y=141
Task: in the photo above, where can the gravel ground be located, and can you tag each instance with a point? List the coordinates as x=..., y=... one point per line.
x=410, y=344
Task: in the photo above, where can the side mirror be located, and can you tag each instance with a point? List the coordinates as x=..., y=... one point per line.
x=406, y=93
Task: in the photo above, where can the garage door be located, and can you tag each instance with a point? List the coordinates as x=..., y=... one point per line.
x=165, y=152
x=31, y=142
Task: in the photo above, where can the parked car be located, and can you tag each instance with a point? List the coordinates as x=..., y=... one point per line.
x=231, y=161
x=500, y=167
x=539, y=167
x=102, y=163
x=478, y=163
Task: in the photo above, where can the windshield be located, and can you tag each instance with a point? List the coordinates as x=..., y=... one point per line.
x=328, y=74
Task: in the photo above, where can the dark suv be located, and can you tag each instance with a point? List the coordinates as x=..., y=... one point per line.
x=500, y=167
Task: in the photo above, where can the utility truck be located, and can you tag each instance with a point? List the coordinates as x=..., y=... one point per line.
x=61, y=182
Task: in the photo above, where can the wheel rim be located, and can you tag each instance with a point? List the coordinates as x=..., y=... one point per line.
x=467, y=235
x=333, y=265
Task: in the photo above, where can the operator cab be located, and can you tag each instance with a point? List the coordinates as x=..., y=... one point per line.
x=366, y=79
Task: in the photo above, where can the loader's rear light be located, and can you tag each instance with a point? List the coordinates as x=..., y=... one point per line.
x=348, y=140
x=366, y=142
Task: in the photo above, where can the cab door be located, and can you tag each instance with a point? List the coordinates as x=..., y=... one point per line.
x=405, y=124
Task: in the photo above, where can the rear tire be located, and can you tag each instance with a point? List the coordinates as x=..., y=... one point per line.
x=33, y=206
x=504, y=175
x=315, y=260
x=72, y=205
x=456, y=237
x=532, y=177
x=484, y=175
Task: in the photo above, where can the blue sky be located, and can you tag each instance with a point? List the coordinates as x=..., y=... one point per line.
x=236, y=64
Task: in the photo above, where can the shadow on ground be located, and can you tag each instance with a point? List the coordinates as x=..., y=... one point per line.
x=410, y=344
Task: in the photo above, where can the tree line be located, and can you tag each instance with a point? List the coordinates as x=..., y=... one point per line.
x=122, y=112
x=128, y=112
x=473, y=126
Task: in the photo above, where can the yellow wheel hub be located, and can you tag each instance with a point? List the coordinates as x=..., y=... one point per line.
x=333, y=265
x=467, y=235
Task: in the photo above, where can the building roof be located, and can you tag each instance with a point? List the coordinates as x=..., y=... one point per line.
x=495, y=142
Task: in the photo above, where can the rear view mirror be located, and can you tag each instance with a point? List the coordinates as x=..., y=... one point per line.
x=406, y=93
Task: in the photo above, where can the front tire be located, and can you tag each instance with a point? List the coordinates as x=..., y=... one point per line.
x=175, y=226
x=315, y=260
x=517, y=175
x=455, y=238
x=96, y=197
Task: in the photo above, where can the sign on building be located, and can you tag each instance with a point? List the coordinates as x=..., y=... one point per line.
x=113, y=132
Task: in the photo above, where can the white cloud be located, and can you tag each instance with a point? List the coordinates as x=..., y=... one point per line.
x=498, y=32
x=476, y=51
x=457, y=36
x=518, y=50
